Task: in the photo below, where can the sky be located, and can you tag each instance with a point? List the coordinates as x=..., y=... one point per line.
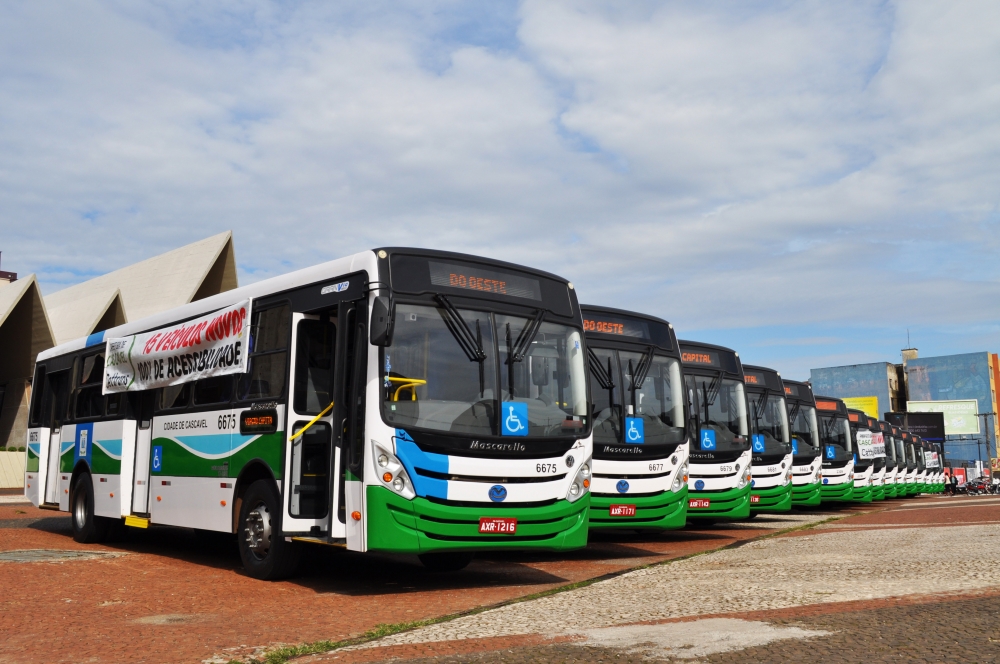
x=805, y=182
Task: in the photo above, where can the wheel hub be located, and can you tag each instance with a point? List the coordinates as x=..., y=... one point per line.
x=258, y=530
x=80, y=510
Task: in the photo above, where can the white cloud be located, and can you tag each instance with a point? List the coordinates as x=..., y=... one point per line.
x=721, y=165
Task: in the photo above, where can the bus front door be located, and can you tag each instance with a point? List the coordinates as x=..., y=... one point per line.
x=311, y=493
x=143, y=409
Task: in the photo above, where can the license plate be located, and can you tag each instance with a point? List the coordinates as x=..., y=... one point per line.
x=699, y=502
x=496, y=525
x=622, y=510
x=754, y=499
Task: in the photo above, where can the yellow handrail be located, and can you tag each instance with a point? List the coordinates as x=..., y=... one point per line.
x=407, y=383
x=311, y=422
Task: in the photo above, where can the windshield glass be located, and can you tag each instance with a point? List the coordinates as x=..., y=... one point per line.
x=771, y=419
x=805, y=429
x=546, y=373
x=437, y=377
x=721, y=409
x=835, y=436
x=900, y=452
x=659, y=400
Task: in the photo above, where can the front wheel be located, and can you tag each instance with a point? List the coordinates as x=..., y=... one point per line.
x=88, y=528
x=446, y=562
x=265, y=554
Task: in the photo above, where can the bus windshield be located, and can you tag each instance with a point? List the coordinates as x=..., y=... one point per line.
x=834, y=430
x=438, y=376
x=721, y=407
x=805, y=430
x=658, y=398
x=771, y=418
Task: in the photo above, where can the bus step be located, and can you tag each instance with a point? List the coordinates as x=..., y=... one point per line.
x=136, y=522
x=49, y=506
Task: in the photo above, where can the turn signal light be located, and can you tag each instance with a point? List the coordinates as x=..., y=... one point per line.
x=222, y=502
x=586, y=484
x=387, y=477
x=356, y=516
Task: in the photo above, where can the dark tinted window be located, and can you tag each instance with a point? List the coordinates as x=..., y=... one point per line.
x=265, y=377
x=314, y=366
x=218, y=389
x=174, y=397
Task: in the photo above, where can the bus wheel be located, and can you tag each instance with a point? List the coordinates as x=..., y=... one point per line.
x=88, y=528
x=265, y=554
x=446, y=562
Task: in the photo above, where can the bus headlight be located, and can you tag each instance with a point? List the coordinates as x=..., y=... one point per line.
x=788, y=477
x=581, y=482
x=391, y=473
x=744, y=478
x=680, y=479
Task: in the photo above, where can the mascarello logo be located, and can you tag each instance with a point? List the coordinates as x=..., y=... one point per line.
x=498, y=493
x=622, y=486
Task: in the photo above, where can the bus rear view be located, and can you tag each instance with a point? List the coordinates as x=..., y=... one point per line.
x=641, y=435
x=719, y=479
x=771, y=464
x=838, y=450
x=807, y=469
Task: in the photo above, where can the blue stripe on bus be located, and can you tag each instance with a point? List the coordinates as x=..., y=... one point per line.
x=413, y=458
x=95, y=338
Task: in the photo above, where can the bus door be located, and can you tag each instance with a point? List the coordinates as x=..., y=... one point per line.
x=142, y=408
x=54, y=404
x=310, y=461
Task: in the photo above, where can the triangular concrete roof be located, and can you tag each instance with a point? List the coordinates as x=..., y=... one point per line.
x=190, y=273
x=25, y=329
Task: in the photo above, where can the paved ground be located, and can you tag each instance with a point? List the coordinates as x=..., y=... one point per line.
x=170, y=595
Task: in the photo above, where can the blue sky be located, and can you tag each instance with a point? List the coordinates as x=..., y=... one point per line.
x=801, y=181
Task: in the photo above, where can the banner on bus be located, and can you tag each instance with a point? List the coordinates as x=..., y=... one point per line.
x=931, y=459
x=878, y=444
x=866, y=446
x=213, y=345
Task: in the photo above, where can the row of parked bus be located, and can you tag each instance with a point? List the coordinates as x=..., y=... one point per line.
x=425, y=402
x=745, y=441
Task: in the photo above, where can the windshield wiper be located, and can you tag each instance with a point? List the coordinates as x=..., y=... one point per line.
x=516, y=350
x=602, y=375
x=471, y=345
x=638, y=376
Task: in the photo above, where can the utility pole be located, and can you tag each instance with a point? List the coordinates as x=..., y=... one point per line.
x=986, y=432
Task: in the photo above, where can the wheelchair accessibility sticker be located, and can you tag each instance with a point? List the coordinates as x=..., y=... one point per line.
x=795, y=446
x=633, y=431
x=758, y=442
x=515, y=418
x=831, y=452
x=707, y=439
x=157, y=462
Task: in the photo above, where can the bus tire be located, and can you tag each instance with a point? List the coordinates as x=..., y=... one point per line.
x=451, y=561
x=88, y=528
x=264, y=552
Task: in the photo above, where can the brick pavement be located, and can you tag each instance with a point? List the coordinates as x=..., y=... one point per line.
x=180, y=597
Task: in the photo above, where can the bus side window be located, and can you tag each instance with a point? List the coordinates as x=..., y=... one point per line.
x=174, y=397
x=37, y=389
x=267, y=368
x=314, y=366
x=88, y=400
x=215, y=390
x=55, y=400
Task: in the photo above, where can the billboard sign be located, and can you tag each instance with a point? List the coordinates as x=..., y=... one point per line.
x=960, y=416
x=929, y=426
x=868, y=405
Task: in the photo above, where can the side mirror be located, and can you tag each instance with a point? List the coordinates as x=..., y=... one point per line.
x=382, y=322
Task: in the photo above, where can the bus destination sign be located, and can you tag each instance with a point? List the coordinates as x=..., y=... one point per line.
x=823, y=404
x=703, y=358
x=754, y=379
x=616, y=327
x=467, y=277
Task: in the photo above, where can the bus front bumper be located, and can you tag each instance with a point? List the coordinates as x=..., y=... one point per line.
x=725, y=504
x=772, y=499
x=664, y=511
x=878, y=493
x=398, y=525
x=862, y=494
x=807, y=494
x=833, y=493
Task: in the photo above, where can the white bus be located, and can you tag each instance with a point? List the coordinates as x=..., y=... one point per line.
x=395, y=400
